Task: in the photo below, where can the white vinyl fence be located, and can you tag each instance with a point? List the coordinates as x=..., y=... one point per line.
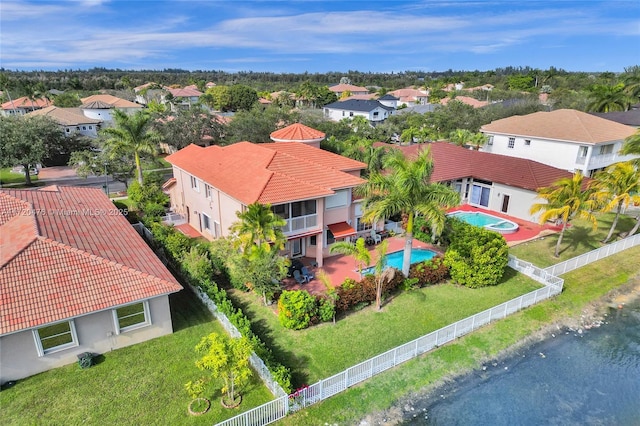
x=594, y=255
x=279, y=408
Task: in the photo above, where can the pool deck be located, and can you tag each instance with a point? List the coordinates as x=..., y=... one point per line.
x=340, y=267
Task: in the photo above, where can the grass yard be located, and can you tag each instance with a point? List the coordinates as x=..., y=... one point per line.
x=578, y=239
x=323, y=350
x=138, y=385
x=6, y=176
x=582, y=286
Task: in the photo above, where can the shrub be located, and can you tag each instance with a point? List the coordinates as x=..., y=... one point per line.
x=326, y=309
x=429, y=272
x=296, y=309
x=350, y=293
x=476, y=257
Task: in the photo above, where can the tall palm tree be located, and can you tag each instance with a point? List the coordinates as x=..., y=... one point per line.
x=608, y=98
x=132, y=134
x=358, y=250
x=461, y=137
x=381, y=262
x=405, y=188
x=631, y=145
x=564, y=200
x=616, y=187
x=259, y=226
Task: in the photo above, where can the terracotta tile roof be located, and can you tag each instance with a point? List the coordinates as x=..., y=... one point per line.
x=110, y=100
x=452, y=162
x=564, y=125
x=66, y=252
x=269, y=172
x=465, y=100
x=367, y=97
x=25, y=102
x=186, y=92
x=408, y=93
x=297, y=132
x=339, y=88
x=66, y=116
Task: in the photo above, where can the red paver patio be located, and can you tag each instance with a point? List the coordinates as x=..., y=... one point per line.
x=188, y=230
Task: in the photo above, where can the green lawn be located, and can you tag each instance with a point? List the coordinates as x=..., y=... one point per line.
x=383, y=391
x=578, y=239
x=138, y=385
x=321, y=351
x=6, y=176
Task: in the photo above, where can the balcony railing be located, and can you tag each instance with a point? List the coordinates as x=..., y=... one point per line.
x=300, y=224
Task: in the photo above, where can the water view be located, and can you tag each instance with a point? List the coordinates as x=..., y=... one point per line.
x=394, y=260
x=579, y=377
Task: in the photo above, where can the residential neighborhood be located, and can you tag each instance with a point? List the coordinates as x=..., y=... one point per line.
x=319, y=213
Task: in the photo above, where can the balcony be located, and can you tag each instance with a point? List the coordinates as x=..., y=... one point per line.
x=300, y=224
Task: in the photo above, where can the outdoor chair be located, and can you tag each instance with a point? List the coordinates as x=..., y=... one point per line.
x=300, y=279
x=377, y=238
x=306, y=273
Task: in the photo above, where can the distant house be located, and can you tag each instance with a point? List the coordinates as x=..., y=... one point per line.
x=567, y=139
x=465, y=100
x=74, y=277
x=491, y=181
x=71, y=120
x=181, y=98
x=374, y=111
x=410, y=96
x=389, y=100
x=23, y=105
x=340, y=89
x=628, y=118
x=309, y=187
x=99, y=106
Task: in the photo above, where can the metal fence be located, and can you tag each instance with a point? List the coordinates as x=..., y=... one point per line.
x=594, y=255
x=279, y=408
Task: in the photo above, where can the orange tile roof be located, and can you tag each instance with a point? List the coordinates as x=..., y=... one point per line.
x=465, y=100
x=185, y=92
x=564, y=125
x=339, y=88
x=66, y=252
x=25, y=102
x=269, y=172
x=113, y=101
x=451, y=162
x=297, y=132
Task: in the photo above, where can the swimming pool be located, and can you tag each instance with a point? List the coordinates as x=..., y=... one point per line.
x=394, y=260
x=486, y=221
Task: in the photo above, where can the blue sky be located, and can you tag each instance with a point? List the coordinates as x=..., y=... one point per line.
x=319, y=36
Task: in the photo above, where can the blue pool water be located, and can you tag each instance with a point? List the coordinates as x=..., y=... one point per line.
x=394, y=260
x=486, y=221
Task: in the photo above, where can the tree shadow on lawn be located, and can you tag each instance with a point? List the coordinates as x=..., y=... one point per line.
x=580, y=236
x=295, y=362
x=187, y=310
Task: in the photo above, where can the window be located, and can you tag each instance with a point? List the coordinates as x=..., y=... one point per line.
x=583, y=151
x=206, y=222
x=84, y=127
x=606, y=149
x=339, y=199
x=375, y=114
x=490, y=140
x=350, y=113
x=217, y=231
x=194, y=184
x=313, y=240
x=56, y=337
x=330, y=238
x=281, y=210
x=512, y=143
x=90, y=127
x=361, y=225
x=68, y=130
x=480, y=195
x=527, y=142
x=207, y=191
x=132, y=316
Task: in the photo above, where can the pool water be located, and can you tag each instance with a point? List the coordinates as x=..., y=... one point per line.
x=486, y=221
x=394, y=260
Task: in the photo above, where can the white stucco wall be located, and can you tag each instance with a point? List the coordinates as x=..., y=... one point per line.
x=96, y=333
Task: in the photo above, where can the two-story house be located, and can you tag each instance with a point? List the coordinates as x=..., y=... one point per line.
x=340, y=89
x=567, y=139
x=71, y=120
x=372, y=110
x=309, y=187
x=23, y=105
x=100, y=106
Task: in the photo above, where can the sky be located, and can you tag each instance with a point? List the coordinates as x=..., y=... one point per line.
x=319, y=36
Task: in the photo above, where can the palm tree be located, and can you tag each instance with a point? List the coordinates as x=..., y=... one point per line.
x=631, y=79
x=564, y=200
x=259, y=226
x=615, y=188
x=405, y=188
x=608, y=98
x=381, y=262
x=132, y=134
x=478, y=140
x=461, y=137
x=631, y=145
x=358, y=250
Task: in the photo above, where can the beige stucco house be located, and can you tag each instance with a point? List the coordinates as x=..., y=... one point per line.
x=74, y=277
x=309, y=187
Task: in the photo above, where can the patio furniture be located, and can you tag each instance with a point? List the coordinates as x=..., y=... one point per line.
x=300, y=279
x=376, y=237
x=306, y=273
